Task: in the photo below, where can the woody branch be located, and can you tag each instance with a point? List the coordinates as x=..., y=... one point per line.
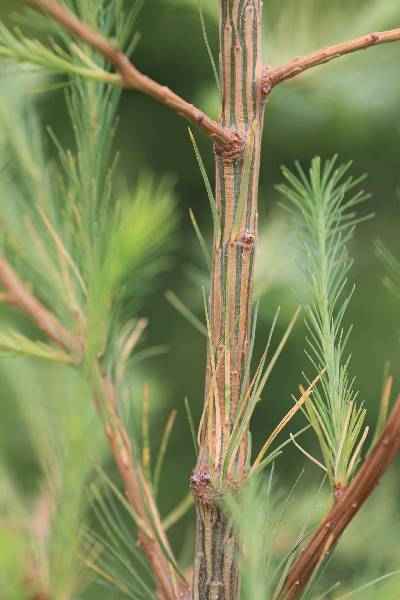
x=131, y=77
x=170, y=586
x=232, y=275
x=272, y=76
x=345, y=508
x=18, y=295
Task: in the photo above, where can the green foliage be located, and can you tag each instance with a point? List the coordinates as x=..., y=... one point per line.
x=260, y=513
x=392, y=266
x=274, y=519
x=210, y=194
x=84, y=249
x=54, y=59
x=56, y=429
x=323, y=204
x=116, y=560
x=90, y=248
x=185, y=312
x=13, y=537
x=207, y=45
x=68, y=58
x=201, y=240
x=15, y=342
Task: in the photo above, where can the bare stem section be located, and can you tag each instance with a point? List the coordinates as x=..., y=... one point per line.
x=223, y=455
x=299, y=64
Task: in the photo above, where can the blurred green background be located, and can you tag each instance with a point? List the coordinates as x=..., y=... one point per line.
x=350, y=107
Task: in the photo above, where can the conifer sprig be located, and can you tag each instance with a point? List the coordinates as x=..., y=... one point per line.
x=85, y=250
x=53, y=59
x=392, y=266
x=323, y=204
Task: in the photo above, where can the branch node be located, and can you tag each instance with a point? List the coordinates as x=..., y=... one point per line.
x=374, y=37
x=266, y=84
x=339, y=491
x=233, y=151
x=199, y=117
x=130, y=76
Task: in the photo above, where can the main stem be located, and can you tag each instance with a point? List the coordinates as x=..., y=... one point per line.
x=216, y=575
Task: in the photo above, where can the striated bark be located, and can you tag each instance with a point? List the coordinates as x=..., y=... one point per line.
x=237, y=172
x=216, y=574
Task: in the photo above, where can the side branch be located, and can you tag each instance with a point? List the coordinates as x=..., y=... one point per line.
x=131, y=77
x=345, y=508
x=17, y=294
x=273, y=76
x=170, y=585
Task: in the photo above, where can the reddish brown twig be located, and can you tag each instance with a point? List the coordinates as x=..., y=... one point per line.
x=274, y=75
x=170, y=585
x=131, y=77
x=17, y=294
x=345, y=508
x=40, y=528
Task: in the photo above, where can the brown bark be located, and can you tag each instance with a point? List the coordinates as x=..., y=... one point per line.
x=131, y=77
x=245, y=84
x=346, y=506
x=274, y=75
x=216, y=575
x=169, y=584
x=18, y=295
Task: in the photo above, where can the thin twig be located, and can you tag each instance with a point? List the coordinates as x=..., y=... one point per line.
x=137, y=489
x=170, y=585
x=299, y=64
x=131, y=77
x=18, y=295
x=345, y=507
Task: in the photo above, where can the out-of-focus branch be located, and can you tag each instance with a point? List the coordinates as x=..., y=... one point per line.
x=345, y=508
x=152, y=537
x=131, y=77
x=18, y=295
x=170, y=585
x=275, y=75
x=40, y=527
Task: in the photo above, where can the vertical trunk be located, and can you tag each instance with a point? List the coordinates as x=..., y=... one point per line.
x=215, y=574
